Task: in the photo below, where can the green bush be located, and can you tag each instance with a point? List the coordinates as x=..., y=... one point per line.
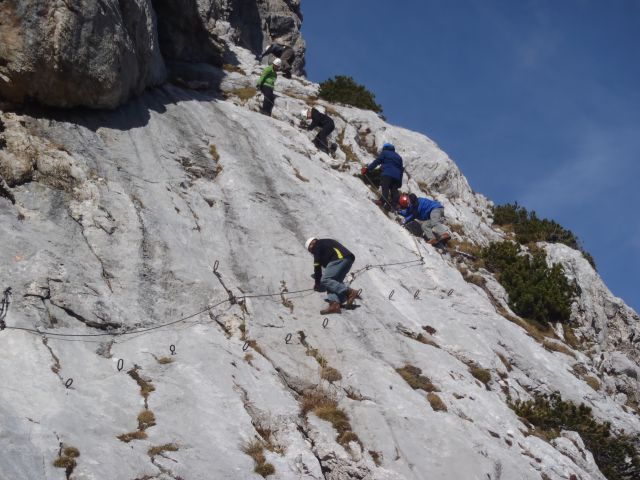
x=529, y=228
x=343, y=89
x=616, y=456
x=536, y=292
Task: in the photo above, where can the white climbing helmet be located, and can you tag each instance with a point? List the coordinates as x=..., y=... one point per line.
x=304, y=113
x=277, y=62
x=308, y=242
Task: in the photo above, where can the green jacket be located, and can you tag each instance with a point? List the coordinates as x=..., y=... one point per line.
x=268, y=77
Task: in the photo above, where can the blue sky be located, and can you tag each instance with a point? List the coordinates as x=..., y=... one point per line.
x=537, y=101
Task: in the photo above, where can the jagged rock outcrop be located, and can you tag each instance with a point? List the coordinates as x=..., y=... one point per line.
x=91, y=53
x=250, y=24
x=99, y=54
x=608, y=328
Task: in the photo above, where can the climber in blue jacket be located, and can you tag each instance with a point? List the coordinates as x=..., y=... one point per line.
x=428, y=213
x=392, y=170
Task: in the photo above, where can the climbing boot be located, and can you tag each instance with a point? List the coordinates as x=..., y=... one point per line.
x=334, y=307
x=444, y=238
x=351, y=296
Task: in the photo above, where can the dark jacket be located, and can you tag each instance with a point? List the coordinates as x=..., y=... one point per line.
x=319, y=119
x=275, y=49
x=326, y=251
x=391, y=164
x=420, y=209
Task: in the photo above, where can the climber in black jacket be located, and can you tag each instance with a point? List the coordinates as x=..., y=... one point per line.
x=336, y=261
x=284, y=53
x=319, y=118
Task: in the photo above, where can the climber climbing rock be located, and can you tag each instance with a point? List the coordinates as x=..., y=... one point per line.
x=319, y=118
x=336, y=261
x=429, y=214
x=285, y=53
x=392, y=170
x=266, y=84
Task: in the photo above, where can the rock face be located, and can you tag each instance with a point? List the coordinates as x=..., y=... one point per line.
x=173, y=228
x=605, y=324
x=98, y=53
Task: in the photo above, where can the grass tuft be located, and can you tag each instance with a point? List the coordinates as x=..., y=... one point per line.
x=167, y=447
x=255, y=449
x=557, y=347
x=228, y=67
x=146, y=419
x=325, y=407
x=331, y=375
x=413, y=376
x=245, y=93
x=128, y=437
x=64, y=462
x=214, y=152
x=480, y=373
x=71, y=452
x=376, y=457
x=146, y=387
x=436, y=402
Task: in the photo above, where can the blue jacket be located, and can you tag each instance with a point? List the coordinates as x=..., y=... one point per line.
x=391, y=164
x=420, y=210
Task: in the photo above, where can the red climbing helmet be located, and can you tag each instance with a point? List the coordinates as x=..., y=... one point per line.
x=404, y=200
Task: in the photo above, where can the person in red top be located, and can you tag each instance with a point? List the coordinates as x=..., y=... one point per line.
x=336, y=261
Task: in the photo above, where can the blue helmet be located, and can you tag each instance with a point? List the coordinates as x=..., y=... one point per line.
x=388, y=146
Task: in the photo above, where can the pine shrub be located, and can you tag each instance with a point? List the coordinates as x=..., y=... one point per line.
x=536, y=292
x=343, y=89
x=616, y=455
x=529, y=228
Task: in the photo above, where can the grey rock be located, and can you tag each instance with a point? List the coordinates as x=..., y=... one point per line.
x=97, y=55
x=5, y=191
x=255, y=24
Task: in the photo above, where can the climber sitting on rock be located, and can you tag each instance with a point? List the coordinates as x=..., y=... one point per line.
x=266, y=84
x=392, y=170
x=428, y=213
x=285, y=53
x=336, y=261
x=319, y=118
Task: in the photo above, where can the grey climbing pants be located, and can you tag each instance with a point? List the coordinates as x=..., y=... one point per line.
x=434, y=227
x=332, y=278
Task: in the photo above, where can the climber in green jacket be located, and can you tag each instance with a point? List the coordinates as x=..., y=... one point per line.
x=266, y=84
